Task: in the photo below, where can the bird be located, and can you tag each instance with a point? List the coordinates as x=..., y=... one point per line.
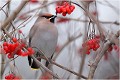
x=43, y=37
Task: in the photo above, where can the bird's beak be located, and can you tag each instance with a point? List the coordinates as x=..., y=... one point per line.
x=55, y=16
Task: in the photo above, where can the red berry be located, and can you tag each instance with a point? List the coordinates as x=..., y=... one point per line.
x=20, y=31
x=64, y=14
x=61, y=7
x=12, y=76
x=92, y=46
x=95, y=49
x=19, y=52
x=30, y=51
x=10, y=55
x=6, y=49
x=17, y=44
x=16, y=78
x=10, y=47
x=63, y=10
x=93, y=41
x=68, y=10
x=24, y=54
x=6, y=77
x=89, y=42
x=58, y=10
x=14, y=40
x=5, y=44
x=65, y=3
x=97, y=46
x=115, y=47
x=110, y=49
x=88, y=52
x=72, y=8
x=23, y=45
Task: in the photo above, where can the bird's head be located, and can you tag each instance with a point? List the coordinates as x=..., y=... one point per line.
x=49, y=17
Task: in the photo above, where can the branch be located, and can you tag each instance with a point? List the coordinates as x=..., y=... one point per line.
x=103, y=22
x=13, y=16
x=65, y=68
x=68, y=69
x=94, y=65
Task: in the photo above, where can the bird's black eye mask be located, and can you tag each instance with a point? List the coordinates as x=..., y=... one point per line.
x=47, y=17
x=51, y=18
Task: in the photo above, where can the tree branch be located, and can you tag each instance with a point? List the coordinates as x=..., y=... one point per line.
x=68, y=70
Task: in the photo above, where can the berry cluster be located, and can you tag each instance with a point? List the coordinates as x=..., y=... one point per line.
x=12, y=77
x=65, y=8
x=92, y=44
x=16, y=48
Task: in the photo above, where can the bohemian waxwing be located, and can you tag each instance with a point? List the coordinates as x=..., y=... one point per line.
x=43, y=36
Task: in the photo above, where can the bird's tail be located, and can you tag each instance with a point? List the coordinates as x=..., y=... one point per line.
x=33, y=64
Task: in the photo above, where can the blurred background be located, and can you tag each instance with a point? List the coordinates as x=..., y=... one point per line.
x=106, y=11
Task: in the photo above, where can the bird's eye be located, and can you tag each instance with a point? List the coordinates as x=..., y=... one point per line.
x=47, y=17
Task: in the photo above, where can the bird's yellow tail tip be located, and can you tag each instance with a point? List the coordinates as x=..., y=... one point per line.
x=35, y=68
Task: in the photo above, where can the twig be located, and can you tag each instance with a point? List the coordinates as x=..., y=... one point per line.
x=94, y=65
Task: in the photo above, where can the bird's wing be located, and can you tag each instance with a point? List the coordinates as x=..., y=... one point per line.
x=45, y=38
